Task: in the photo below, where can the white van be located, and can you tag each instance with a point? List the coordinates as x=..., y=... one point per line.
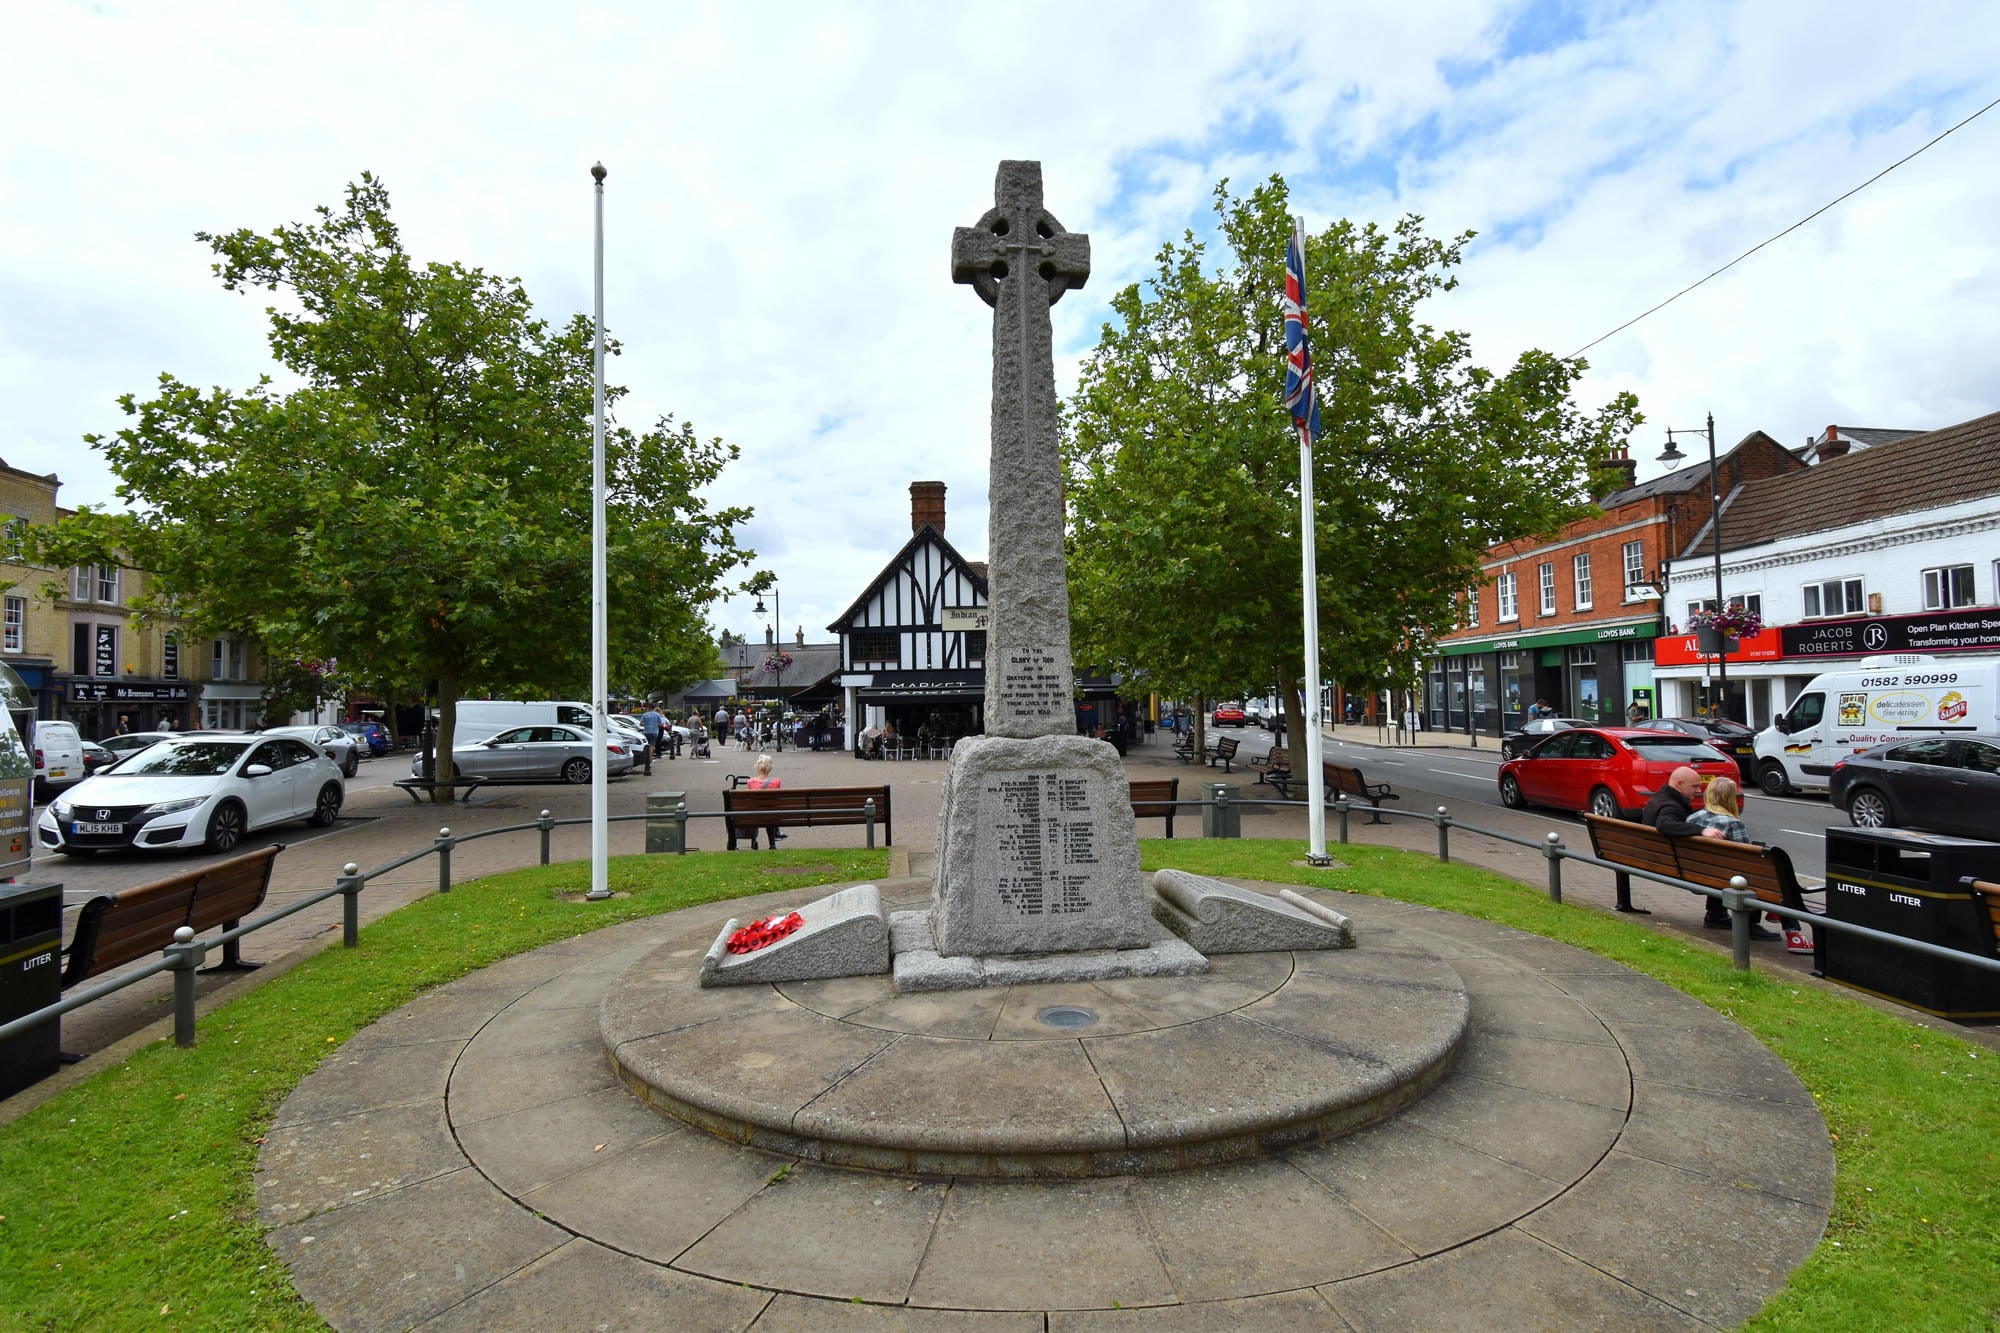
x=58, y=756
x=480, y=718
x=1879, y=699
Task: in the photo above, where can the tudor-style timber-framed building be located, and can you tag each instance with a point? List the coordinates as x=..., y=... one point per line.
x=913, y=644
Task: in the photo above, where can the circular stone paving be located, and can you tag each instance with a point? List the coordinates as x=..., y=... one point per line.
x=1605, y=1152
x=1104, y=1078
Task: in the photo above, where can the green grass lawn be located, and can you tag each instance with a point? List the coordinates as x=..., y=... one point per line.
x=127, y=1201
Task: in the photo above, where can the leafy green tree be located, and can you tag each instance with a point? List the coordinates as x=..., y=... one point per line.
x=417, y=508
x=1183, y=467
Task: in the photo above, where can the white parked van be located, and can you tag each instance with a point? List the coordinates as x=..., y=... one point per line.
x=1880, y=699
x=58, y=756
x=481, y=718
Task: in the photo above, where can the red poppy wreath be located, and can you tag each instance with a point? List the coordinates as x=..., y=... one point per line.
x=762, y=934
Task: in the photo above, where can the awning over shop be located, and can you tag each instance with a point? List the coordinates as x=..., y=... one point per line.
x=1644, y=629
x=888, y=686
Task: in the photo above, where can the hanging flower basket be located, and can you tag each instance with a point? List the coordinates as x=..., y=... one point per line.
x=1713, y=640
x=777, y=663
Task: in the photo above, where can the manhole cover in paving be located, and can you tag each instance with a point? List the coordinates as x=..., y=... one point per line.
x=1066, y=1016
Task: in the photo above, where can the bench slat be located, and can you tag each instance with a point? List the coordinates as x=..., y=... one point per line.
x=114, y=929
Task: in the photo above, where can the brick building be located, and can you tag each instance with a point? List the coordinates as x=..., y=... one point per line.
x=74, y=640
x=1571, y=619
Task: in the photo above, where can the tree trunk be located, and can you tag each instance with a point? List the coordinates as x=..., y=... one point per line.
x=1291, y=702
x=1200, y=730
x=448, y=685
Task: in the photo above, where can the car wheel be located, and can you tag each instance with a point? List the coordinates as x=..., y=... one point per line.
x=576, y=771
x=1510, y=793
x=351, y=767
x=225, y=827
x=1869, y=808
x=327, y=808
x=1604, y=804
x=1771, y=777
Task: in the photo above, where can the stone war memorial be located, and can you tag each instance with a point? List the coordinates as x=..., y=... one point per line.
x=1037, y=1089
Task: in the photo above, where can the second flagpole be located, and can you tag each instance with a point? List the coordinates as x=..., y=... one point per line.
x=600, y=791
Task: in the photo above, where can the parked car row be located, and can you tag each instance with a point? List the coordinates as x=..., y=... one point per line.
x=1610, y=771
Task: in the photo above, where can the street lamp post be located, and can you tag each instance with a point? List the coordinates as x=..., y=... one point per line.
x=1673, y=458
x=777, y=654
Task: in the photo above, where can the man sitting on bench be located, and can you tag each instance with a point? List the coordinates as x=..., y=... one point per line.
x=1671, y=812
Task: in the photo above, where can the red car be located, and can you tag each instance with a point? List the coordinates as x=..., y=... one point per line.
x=1610, y=771
x=1228, y=715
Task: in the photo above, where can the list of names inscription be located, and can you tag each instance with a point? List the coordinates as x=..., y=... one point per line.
x=1044, y=843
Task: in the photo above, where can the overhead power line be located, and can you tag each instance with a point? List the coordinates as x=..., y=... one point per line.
x=1787, y=231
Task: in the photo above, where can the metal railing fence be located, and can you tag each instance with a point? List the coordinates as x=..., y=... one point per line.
x=187, y=953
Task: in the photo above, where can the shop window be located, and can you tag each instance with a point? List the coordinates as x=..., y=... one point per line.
x=1639, y=650
x=1548, y=577
x=1583, y=598
x=1503, y=590
x=1949, y=588
x=1835, y=597
x=16, y=622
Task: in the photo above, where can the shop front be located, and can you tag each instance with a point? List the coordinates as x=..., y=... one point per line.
x=946, y=704
x=103, y=708
x=231, y=707
x=1767, y=670
x=1487, y=687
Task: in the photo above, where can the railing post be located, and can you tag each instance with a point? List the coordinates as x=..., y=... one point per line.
x=681, y=827
x=547, y=824
x=1444, y=836
x=1340, y=808
x=443, y=846
x=868, y=814
x=350, y=885
x=1737, y=898
x=1553, y=849
x=185, y=955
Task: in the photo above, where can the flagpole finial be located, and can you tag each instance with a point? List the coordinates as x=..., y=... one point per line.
x=599, y=173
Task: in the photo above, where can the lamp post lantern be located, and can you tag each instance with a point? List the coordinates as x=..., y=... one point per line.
x=1673, y=458
x=777, y=655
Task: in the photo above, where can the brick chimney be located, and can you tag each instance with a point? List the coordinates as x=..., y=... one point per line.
x=1830, y=445
x=927, y=505
x=1615, y=473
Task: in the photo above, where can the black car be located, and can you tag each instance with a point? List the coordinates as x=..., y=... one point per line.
x=1946, y=784
x=1517, y=743
x=1732, y=738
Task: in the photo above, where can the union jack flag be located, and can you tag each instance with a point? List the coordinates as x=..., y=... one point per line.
x=1300, y=400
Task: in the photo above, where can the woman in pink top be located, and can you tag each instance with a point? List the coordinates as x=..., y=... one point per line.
x=761, y=782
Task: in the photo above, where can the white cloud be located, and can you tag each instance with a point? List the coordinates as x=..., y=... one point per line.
x=784, y=181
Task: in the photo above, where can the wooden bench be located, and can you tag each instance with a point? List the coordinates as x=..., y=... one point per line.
x=1153, y=798
x=1986, y=893
x=1224, y=752
x=1346, y=780
x=1709, y=862
x=419, y=788
x=1276, y=766
x=116, y=928
x=811, y=807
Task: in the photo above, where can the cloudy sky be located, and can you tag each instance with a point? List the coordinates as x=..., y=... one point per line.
x=785, y=178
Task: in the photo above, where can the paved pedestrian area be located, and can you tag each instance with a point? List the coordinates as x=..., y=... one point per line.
x=1606, y=1153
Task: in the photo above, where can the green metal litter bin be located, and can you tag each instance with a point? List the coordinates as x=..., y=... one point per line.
x=30, y=979
x=1909, y=884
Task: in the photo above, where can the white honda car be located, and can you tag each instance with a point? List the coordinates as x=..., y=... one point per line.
x=195, y=792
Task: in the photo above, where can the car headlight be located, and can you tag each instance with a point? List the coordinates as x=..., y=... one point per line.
x=170, y=807
x=61, y=811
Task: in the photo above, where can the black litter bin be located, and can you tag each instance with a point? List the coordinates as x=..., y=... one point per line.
x=30, y=979
x=1909, y=884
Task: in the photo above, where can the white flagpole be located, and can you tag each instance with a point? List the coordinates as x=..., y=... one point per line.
x=600, y=689
x=1308, y=545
